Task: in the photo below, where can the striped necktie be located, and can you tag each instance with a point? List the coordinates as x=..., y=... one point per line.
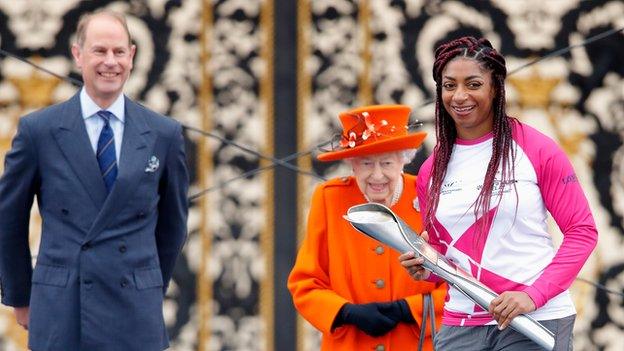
x=106, y=157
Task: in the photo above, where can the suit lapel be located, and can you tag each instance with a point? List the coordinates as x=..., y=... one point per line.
x=72, y=137
x=137, y=143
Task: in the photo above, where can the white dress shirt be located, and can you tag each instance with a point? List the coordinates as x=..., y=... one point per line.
x=94, y=123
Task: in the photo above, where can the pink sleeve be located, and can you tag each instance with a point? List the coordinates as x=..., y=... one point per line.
x=566, y=202
x=422, y=187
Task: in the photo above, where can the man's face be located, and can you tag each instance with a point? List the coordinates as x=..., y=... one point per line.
x=105, y=59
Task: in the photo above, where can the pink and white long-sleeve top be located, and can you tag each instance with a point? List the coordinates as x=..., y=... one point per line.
x=516, y=251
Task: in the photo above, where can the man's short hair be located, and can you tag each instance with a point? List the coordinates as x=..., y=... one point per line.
x=81, y=31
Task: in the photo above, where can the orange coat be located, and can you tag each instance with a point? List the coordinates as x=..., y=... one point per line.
x=337, y=264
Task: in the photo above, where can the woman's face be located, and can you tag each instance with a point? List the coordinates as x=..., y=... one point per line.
x=378, y=175
x=467, y=95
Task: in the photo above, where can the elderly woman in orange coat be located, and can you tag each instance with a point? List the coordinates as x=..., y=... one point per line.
x=347, y=285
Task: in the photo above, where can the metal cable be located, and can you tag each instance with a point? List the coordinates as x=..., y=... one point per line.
x=71, y=80
x=281, y=162
x=284, y=161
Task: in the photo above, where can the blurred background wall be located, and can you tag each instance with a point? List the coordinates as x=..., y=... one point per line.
x=271, y=77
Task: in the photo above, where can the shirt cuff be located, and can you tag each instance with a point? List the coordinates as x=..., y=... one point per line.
x=538, y=298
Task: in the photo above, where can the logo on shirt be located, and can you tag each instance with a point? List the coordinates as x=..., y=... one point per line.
x=569, y=179
x=451, y=187
x=499, y=186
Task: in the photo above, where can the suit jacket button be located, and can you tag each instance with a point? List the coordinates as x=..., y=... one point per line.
x=123, y=283
x=65, y=211
x=122, y=248
x=86, y=247
x=379, y=250
x=380, y=284
x=141, y=214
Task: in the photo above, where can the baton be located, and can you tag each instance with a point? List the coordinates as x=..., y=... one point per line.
x=380, y=223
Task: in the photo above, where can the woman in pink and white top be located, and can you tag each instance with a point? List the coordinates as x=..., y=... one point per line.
x=485, y=192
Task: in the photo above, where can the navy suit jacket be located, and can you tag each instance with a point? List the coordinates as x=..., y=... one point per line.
x=104, y=261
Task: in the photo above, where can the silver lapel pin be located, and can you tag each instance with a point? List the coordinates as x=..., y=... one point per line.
x=152, y=165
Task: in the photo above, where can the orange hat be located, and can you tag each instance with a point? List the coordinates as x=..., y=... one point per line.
x=374, y=129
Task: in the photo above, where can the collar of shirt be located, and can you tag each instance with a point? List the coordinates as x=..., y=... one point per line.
x=89, y=108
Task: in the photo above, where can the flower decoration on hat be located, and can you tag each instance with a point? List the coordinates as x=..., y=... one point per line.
x=373, y=129
x=364, y=129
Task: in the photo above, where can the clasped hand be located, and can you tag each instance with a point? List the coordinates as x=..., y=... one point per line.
x=21, y=316
x=375, y=318
x=413, y=264
x=508, y=305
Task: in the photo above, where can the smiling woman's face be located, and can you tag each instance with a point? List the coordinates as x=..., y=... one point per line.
x=378, y=175
x=467, y=95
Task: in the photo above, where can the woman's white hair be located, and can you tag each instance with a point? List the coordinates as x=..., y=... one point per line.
x=406, y=156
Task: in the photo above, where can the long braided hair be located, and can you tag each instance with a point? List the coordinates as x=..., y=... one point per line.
x=481, y=51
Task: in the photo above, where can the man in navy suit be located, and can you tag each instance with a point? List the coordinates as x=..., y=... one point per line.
x=111, y=184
